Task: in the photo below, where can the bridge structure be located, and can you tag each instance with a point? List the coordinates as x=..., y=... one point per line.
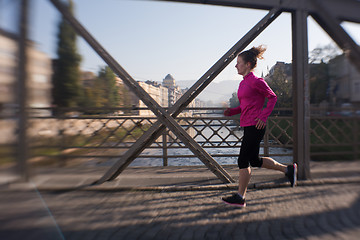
x=327, y=13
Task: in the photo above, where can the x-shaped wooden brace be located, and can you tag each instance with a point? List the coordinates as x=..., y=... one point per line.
x=166, y=119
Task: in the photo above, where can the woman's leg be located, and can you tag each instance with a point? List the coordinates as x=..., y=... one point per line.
x=290, y=171
x=270, y=163
x=249, y=150
x=244, y=179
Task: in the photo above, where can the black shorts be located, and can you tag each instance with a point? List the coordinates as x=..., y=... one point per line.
x=250, y=146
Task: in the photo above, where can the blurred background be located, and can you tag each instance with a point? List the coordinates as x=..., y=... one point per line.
x=63, y=105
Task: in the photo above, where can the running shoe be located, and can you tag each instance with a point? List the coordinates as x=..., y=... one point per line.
x=292, y=174
x=235, y=200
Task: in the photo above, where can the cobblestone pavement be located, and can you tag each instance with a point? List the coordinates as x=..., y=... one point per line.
x=326, y=207
x=308, y=212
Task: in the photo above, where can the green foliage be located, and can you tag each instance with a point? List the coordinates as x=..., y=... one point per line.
x=125, y=99
x=319, y=82
x=278, y=129
x=234, y=101
x=319, y=71
x=339, y=134
x=324, y=134
x=7, y=155
x=106, y=80
x=104, y=93
x=76, y=142
x=66, y=78
x=280, y=83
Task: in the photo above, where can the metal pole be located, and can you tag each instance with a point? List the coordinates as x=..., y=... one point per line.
x=22, y=148
x=165, y=153
x=301, y=95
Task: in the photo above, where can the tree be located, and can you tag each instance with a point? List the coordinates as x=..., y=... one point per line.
x=66, y=78
x=280, y=83
x=319, y=72
x=234, y=101
x=106, y=81
x=319, y=82
x=324, y=54
x=103, y=93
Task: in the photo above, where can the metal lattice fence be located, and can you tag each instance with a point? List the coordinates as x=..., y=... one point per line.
x=62, y=139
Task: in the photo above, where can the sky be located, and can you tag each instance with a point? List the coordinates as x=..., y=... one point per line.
x=150, y=39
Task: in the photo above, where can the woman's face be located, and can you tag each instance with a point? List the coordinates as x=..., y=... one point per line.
x=242, y=67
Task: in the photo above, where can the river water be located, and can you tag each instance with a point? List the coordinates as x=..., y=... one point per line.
x=141, y=161
x=192, y=161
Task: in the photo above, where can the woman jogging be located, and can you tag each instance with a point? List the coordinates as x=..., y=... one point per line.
x=251, y=94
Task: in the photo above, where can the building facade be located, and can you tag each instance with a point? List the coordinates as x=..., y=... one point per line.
x=344, y=81
x=39, y=72
x=156, y=91
x=165, y=94
x=174, y=91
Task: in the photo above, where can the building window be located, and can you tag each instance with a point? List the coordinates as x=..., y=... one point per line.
x=8, y=53
x=40, y=78
x=7, y=70
x=357, y=87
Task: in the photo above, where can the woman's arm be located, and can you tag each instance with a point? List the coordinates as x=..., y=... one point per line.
x=232, y=111
x=267, y=92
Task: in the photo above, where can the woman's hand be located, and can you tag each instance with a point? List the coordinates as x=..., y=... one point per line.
x=227, y=112
x=260, y=124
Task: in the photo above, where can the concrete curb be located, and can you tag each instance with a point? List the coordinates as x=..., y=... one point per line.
x=233, y=186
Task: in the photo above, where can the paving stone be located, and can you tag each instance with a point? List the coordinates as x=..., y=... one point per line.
x=312, y=211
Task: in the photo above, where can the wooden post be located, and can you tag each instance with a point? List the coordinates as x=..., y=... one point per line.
x=165, y=153
x=301, y=96
x=356, y=138
x=22, y=148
